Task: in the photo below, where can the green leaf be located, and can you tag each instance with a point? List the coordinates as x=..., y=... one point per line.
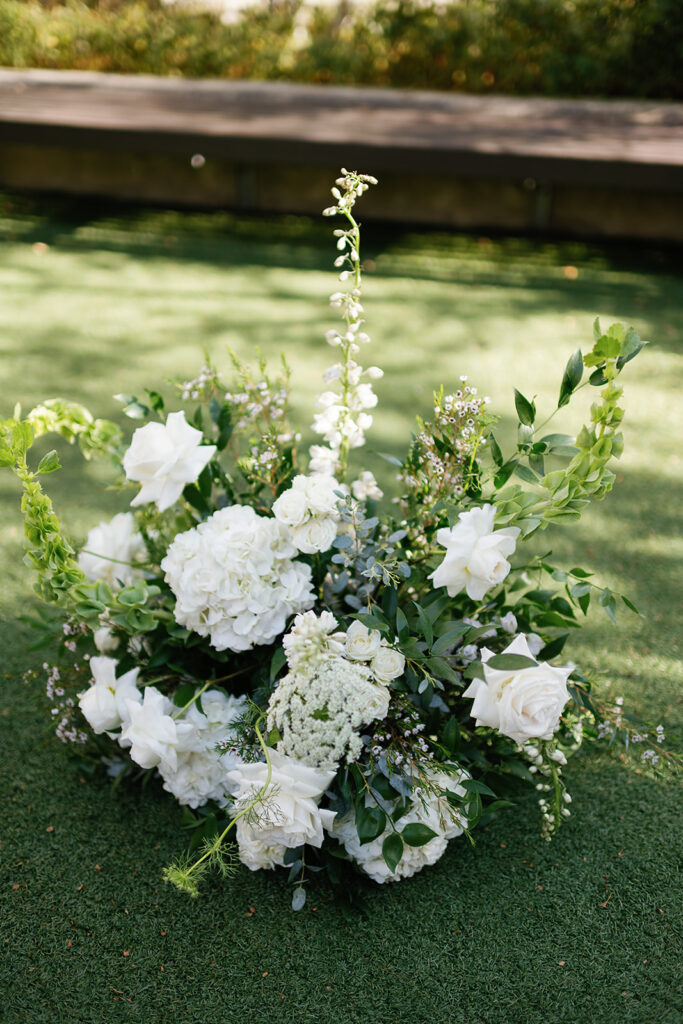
x=553, y=648
x=370, y=822
x=476, y=786
x=155, y=400
x=425, y=624
x=573, y=372
x=392, y=850
x=442, y=670
x=276, y=663
x=526, y=410
x=417, y=834
x=511, y=662
x=402, y=627
x=450, y=737
x=630, y=605
x=527, y=474
x=299, y=898
x=496, y=453
x=49, y=463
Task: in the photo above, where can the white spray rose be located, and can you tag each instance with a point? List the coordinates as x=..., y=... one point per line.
x=109, y=547
x=475, y=557
x=164, y=457
x=105, y=704
x=291, y=508
x=521, y=703
x=387, y=664
x=315, y=535
x=257, y=853
x=362, y=644
x=288, y=814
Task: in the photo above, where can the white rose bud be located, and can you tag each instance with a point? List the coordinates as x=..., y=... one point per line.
x=524, y=703
x=387, y=664
x=291, y=508
x=362, y=644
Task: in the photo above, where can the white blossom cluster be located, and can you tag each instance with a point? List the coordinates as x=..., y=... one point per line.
x=320, y=713
x=234, y=579
x=343, y=418
x=428, y=808
x=262, y=400
x=185, y=749
x=308, y=509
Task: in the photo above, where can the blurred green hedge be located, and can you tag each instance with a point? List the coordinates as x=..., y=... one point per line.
x=606, y=48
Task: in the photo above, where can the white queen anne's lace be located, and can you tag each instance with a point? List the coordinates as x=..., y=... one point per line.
x=234, y=579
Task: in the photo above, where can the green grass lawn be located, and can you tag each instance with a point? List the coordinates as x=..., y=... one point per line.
x=515, y=931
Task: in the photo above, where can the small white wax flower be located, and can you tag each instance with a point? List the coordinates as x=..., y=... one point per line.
x=106, y=704
x=475, y=557
x=523, y=704
x=110, y=547
x=164, y=457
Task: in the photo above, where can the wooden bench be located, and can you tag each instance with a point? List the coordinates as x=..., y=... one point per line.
x=514, y=164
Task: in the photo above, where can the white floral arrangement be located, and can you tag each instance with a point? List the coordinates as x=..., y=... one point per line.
x=325, y=681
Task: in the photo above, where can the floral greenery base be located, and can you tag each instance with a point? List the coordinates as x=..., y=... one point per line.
x=325, y=680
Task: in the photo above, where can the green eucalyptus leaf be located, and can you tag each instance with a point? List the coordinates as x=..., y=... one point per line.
x=511, y=662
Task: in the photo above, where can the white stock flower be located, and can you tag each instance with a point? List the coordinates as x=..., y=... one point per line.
x=523, y=703
x=288, y=813
x=164, y=457
x=475, y=557
x=366, y=487
x=109, y=547
x=362, y=644
x=234, y=579
x=387, y=664
x=323, y=460
x=152, y=733
x=105, y=703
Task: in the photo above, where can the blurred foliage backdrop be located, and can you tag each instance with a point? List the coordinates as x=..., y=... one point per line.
x=602, y=48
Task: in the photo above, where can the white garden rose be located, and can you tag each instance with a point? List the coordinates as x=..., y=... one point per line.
x=288, y=813
x=362, y=644
x=291, y=508
x=152, y=733
x=315, y=535
x=105, y=703
x=521, y=703
x=475, y=557
x=320, y=493
x=110, y=547
x=387, y=664
x=164, y=457
x=255, y=852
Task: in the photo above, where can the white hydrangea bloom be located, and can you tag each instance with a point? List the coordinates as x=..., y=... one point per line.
x=164, y=457
x=105, y=703
x=431, y=809
x=108, y=549
x=234, y=579
x=288, y=814
x=320, y=713
x=202, y=771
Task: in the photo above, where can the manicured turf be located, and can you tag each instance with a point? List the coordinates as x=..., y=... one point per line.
x=515, y=931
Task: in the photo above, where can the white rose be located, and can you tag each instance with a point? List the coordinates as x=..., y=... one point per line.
x=109, y=547
x=362, y=644
x=255, y=852
x=319, y=489
x=521, y=703
x=509, y=623
x=152, y=734
x=387, y=664
x=288, y=814
x=105, y=704
x=475, y=554
x=291, y=508
x=315, y=535
x=164, y=457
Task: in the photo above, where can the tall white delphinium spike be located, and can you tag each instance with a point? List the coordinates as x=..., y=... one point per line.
x=342, y=416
